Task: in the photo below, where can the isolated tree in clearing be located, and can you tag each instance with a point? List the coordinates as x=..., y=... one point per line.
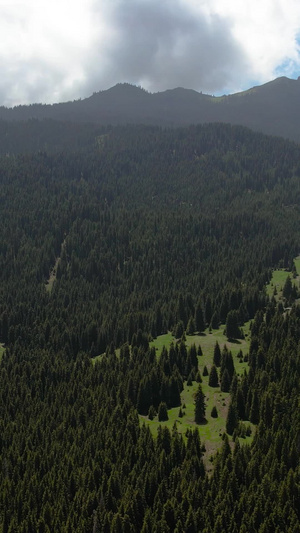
x=213, y=377
x=214, y=412
x=199, y=406
x=162, y=412
x=217, y=354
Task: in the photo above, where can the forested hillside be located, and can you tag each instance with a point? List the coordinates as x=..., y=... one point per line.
x=136, y=232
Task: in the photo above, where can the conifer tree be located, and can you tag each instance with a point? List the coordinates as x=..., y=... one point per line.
x=232, y=419
x=179, y=329
x=232, y=325
x=225, y=381
x=151, y=412
x=217, y=354
x=215, y=320
x=254, y=410
x=205, y=371
x=214, y=412
x=162, y=412
x=191, y=328
x=240, y=402
x=213, y=377
x=199, y=406
x=199, y=318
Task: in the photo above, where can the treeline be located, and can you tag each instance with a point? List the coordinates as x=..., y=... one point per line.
x=51, y=136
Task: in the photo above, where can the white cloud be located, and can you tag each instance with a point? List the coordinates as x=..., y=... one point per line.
x=267, y=30
x=45, y=46
x=54, y=51
x=165, y=44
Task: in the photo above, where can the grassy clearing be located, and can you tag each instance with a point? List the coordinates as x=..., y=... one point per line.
x=2, y=350
x=211, y=432
x=52, y=275
x=158, y=343
x=207, y=341
x=161, y=341
x=279, y=278
x=297, y=264
x=99, y=357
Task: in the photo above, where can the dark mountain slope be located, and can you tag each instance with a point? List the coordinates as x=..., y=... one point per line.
x=146, y=215
x=146, y=229
x=272, y=108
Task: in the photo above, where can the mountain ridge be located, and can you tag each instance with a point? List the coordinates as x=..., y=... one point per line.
x=272, y=108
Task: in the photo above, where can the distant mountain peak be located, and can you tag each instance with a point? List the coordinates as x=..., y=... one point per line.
x=128, y=88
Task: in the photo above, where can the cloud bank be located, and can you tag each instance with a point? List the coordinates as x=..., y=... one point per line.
x=167, y=44
x=60, y=51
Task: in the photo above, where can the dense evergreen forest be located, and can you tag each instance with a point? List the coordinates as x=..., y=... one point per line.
x=107, y=244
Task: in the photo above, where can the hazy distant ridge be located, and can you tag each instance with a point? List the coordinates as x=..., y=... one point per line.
x=272, y=108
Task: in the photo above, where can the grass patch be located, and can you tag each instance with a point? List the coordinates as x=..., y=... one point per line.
x=161, y=341
x=52, y=275
x=2, y=350
x=279, y=278
x=211, y=432
x=158, y=343
x=50, y=281
x=208, y=340
x=297, y=264
x=277, y=281
x=99, y=357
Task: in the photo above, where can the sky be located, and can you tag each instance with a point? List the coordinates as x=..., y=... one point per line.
x=60, y=50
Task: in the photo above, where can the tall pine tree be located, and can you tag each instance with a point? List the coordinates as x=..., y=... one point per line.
x=199, y=406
